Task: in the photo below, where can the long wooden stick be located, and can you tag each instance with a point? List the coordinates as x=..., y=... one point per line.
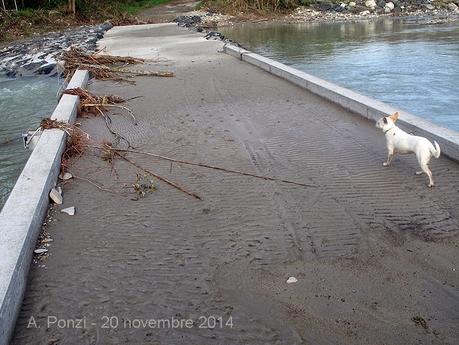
x=215, y=167
x=169, y=182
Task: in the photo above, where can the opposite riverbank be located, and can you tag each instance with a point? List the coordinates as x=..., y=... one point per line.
x=373, y=250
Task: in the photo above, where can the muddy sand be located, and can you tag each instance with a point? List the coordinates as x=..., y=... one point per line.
x=375, y=251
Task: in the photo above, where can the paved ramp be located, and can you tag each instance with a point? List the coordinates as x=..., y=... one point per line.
x=374, y=250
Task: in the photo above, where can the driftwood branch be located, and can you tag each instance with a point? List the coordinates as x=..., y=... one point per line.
x=159, y=177
x=232, y=171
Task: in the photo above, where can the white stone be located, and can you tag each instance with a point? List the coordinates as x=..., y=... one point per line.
x=40, y=251
x=291, y=280
x=69, y=210
x=352, y=4
x=370, y=4
x=364, y=13
x=453, y=7
x=390, y=5
x=65, y=176
x=56, y=196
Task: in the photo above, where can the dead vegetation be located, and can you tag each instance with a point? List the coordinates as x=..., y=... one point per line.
x=105, y=67
x=79, y=141
x=108, y=67
x=98, y=105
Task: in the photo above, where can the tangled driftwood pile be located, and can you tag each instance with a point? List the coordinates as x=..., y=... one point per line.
x=105, y=67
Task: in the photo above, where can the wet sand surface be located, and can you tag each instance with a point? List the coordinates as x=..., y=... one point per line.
x=374, y=250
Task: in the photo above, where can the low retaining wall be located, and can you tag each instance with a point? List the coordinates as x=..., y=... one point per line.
x=357, y=103
x=24, y=211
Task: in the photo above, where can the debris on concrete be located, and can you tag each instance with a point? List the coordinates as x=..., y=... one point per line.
x=69, y=210
x=56, y=196
x=40, y=251
x=292, y=280
x=143, y=185
x=65, y=176
x=420, y=321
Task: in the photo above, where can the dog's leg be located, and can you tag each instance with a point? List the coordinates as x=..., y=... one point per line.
x=426, y=169
x=390, y=155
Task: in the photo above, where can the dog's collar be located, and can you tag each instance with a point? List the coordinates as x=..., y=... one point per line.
x=388, y=130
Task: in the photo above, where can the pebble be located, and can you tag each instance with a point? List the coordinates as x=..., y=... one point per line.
x=291, y=280
x=69, y=210
x=56, y=196
x=40, y=251
x=66, y=176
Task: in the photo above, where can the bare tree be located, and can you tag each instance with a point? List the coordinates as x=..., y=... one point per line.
x=72, y=6
x=16, y=5
x=4, y=7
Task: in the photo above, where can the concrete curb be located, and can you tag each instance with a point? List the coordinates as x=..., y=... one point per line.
x=353, y=101
x=23, y=213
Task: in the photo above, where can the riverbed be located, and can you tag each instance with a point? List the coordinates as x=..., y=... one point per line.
x=23, y=103
x=404, y=62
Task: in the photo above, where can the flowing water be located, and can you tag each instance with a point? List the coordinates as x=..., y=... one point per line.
x=406, y=63
x=23, y=103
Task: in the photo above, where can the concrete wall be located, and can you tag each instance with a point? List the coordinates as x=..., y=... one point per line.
x=357, y=103
x=23, y=214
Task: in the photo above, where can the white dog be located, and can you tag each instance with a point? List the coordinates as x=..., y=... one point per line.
x=398, y=141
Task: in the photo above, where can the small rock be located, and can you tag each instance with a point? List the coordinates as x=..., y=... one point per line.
x=429, y=6
x=65, y=176
x=352, y=4
x=291, y=280
x=40, y=251
x=46, y=68
x=452, y=7
x=56, y=196
x=69, y=210
x=388, y=7
x=370, y=4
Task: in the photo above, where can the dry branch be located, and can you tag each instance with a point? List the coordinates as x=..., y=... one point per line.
x=232, y=171
x=109, y=148
x=105, y=67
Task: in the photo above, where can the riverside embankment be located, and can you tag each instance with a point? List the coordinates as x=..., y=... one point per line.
x=374, y=250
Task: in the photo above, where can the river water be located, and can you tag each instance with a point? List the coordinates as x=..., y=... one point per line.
x=406, y=63
x=23, y=103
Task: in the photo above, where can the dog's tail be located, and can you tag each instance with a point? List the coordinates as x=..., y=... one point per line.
x=435, y=151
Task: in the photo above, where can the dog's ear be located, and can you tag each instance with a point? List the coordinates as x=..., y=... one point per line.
x=385, y=120
x=394, y=117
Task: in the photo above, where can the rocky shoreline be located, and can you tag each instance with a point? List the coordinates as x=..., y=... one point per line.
x=39, y=55
x=325, y=10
